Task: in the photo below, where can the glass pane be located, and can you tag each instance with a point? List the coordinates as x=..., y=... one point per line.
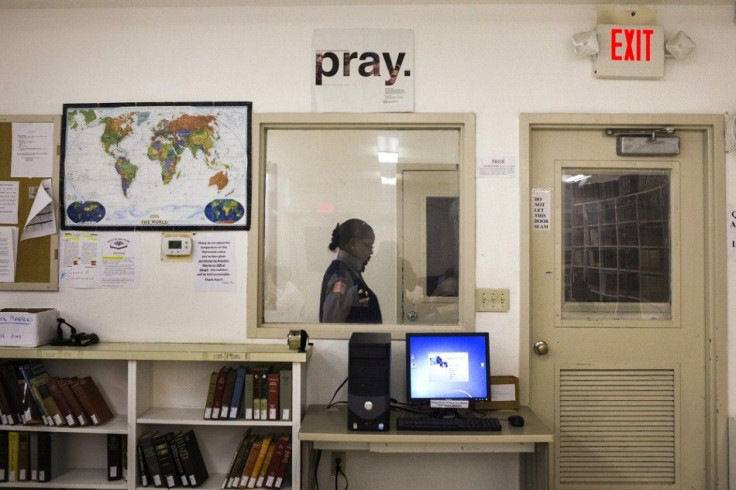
x=616, y=244
x=317, y=178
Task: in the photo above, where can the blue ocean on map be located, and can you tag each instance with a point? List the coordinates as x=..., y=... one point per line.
x=85, y=212
x=224, y=211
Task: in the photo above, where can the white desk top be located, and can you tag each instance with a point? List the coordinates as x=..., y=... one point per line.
x=322, y=425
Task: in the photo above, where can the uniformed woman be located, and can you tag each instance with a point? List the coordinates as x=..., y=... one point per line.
x=345, y=297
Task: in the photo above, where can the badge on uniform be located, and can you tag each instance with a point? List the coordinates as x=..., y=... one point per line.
x=363, y=296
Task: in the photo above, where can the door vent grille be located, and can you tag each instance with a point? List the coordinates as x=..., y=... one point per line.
x=616, y=427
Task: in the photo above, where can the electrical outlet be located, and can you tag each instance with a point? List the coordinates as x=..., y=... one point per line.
x=337, y=455
x=492, y=299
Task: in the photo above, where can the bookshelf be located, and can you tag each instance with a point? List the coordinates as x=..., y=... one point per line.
x=157, y=387
x=617, y=242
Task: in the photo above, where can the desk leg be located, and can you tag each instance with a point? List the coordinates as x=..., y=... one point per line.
x=307, y=462
x=534, y=468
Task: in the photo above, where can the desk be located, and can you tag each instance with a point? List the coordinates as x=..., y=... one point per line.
x=327, y=429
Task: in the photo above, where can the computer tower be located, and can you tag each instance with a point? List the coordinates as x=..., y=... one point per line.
x=369, y=381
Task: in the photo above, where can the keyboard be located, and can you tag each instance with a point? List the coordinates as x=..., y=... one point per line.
x=428, y=423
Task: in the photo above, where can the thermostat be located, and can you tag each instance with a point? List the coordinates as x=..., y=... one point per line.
x=176, y=246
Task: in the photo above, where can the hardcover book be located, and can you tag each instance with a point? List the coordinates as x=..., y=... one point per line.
x=65, y=385
x=283, y=466
x=178, y=464
x=227, y=394
x=53, y=412
x=142, y=467
x=276, y=459
x=219, y=392
x=149, y=455
x=66, y=411
x=250, y=462
x=272, y=396
x=114, y=457
x=165, y=460
x=3, y=456
x=24, y=473
x=210, y=395
x=34, y=373
x=13, y=441
x=44, y=456
x=253, y=477
x=285, y=387
x=92, y=401
x=191, y=458
x=237, y=398
x=248, y=396
x=33, y=455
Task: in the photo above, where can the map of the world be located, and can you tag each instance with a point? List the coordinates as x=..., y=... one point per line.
x=156, y=166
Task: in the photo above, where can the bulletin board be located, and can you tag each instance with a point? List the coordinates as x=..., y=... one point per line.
x=37, y=263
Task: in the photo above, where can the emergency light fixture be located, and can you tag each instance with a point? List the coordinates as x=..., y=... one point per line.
x=630, y=51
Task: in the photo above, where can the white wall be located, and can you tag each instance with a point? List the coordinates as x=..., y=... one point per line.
x=495, y=61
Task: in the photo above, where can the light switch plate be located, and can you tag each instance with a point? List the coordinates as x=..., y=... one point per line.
x=487, y=299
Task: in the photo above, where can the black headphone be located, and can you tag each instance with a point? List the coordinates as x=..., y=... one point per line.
x=75, y=339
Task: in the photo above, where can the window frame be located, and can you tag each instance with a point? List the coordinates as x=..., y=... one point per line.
x=262, y=123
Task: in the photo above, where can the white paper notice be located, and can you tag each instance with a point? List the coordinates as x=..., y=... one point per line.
x=41, y=219
x=8, y=252
x=121, y=260
x=100, y=260
x=79, y=267
x=215, y=258
x=503, y=393
x=33, y=150
x=502, y=167
x=540, y=209
x=9, y=190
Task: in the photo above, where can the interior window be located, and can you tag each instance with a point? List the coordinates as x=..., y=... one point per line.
x=407, y=177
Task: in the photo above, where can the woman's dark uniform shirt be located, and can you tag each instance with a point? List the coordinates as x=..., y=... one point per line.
x=345, y=297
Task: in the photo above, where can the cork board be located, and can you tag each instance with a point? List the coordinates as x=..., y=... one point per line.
x=37, y=264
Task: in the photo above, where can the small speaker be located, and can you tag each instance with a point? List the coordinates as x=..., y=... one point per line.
x=369, y=381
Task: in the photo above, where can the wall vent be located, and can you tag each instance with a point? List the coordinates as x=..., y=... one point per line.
x=616, y=428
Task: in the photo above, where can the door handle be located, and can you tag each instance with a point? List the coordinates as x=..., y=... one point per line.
x=541, y=348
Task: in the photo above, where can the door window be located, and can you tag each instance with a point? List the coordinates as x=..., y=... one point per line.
x=616, y=244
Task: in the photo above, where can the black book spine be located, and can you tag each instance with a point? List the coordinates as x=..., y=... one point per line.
x=149, y=453
x=165, y=461
x=180, y=474
x=114, y=457
x=44, y=456
x=142, y=467
x=3, y=456
x=191, y=458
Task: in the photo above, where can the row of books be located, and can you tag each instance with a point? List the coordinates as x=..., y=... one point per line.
x=30, y=396
x=170, y=459
x=260, y=462
x=25, y=456
x=257, y=393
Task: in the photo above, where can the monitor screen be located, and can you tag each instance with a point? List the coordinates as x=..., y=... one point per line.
x=447, y=366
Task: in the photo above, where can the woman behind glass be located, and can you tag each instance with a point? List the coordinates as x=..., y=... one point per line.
x=345, y=297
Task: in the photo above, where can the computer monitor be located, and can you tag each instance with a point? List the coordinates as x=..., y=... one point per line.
x=448, y=370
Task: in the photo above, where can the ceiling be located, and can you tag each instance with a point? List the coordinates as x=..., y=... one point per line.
x=31, y=4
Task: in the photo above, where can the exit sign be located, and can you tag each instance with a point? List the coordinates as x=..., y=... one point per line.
x=629, y=51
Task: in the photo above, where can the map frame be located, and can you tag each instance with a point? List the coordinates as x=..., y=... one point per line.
x=67, y=181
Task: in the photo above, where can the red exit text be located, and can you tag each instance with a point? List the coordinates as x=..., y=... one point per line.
x=631, y=44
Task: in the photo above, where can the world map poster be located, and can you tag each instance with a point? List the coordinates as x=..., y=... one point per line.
x=156, y=167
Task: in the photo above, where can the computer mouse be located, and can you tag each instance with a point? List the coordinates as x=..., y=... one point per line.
x=516, y=420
